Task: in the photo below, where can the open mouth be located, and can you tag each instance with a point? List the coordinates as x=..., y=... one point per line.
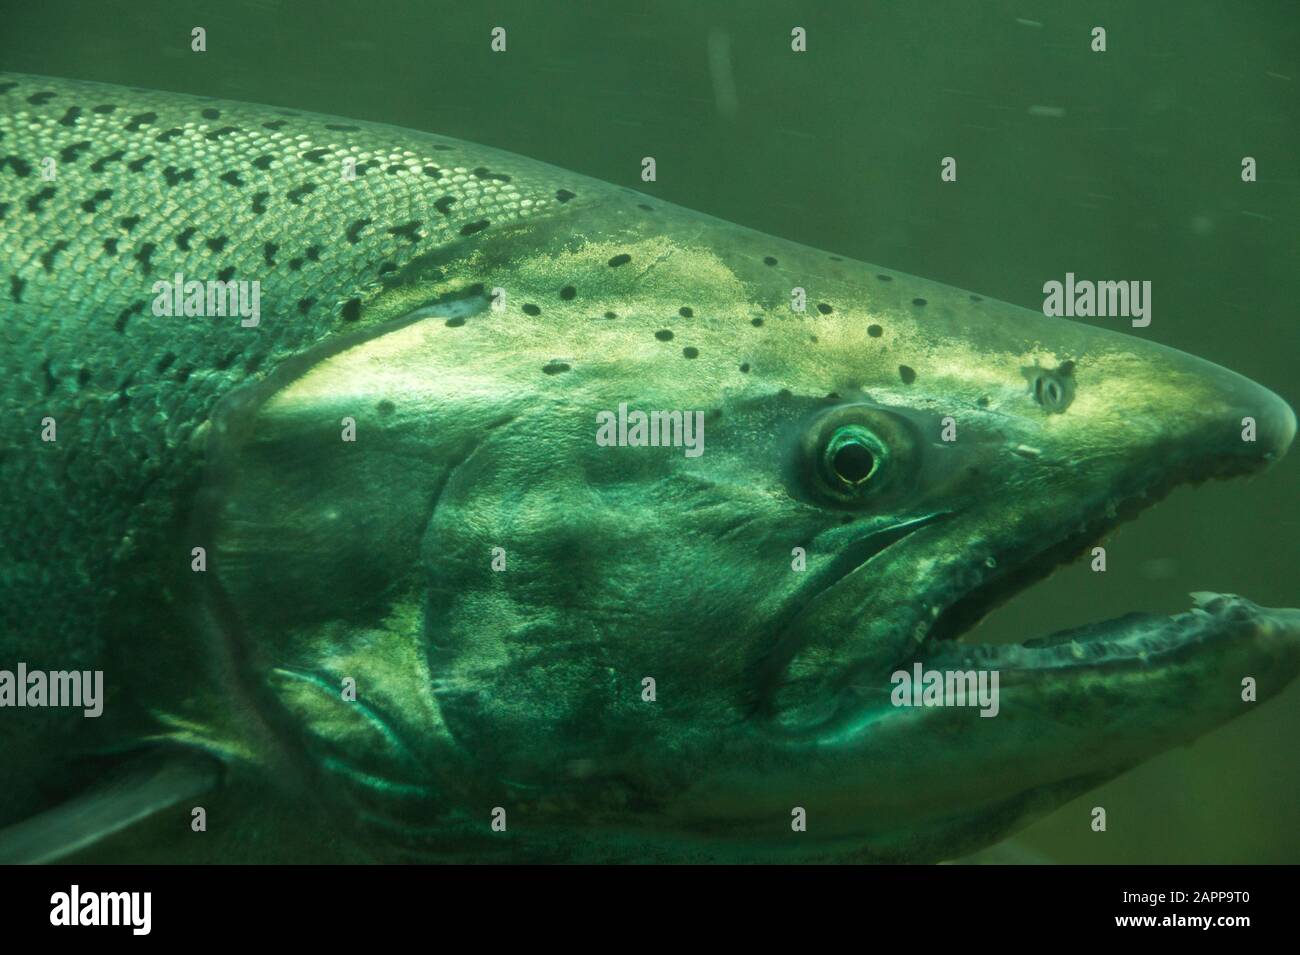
x=1132, y=637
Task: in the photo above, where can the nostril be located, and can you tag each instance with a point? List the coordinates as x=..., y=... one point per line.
x=1053, y=389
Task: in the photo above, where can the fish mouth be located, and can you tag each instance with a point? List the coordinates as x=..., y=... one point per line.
x=1130, y=638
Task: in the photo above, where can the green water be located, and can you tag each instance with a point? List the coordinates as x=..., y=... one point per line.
x=1131, y=172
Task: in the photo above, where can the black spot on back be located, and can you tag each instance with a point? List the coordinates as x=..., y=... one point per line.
x=73, y=151
x=268, y=252
x=110, y=246
x=211, y=113
x=226, y=274
x=136, y=165
x=259, y=202
x=918, y=301
x=690, y=352
x=93, y=202
x=263, y=162
x=125, y=315
x=410, y=231
x=611, y=315
x=444, y=204
x=297, y=195
x=169, y=134
x=621, y=259
x=568, y=292
x=756, y=322
x=104, y=109
x=52, y=253
x=34, y=202
x=165, y=362
x=232, y=178
x=470, y=228
x=340, y=128
x=885, y=278
x=70, y=117
x=664, y=335
x=482, y=172
x=531, y=309
x=183, y=238
x=554, y=368
x=824, y=308
x=564, y=195
x=216, y=134
x=99, y=164
x=40, y=99
x=686, y=312
x=316, y=155
x=144, y=254
x=875, y=331
x=275, y=124
x=175, y=178
x=456, y=321
x=907, y=374
x=305, y=304
x=16, y=288
x=135, y=122
x=351, y=310
x=744, y=368
x=19, y=165
x=128, y=222
x=769, y=260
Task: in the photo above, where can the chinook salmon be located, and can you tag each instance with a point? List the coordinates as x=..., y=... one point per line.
x=414, y=500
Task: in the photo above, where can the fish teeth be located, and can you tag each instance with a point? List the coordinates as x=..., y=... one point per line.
x=1208, y=599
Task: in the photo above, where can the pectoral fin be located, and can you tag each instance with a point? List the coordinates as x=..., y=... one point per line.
x=141, y=788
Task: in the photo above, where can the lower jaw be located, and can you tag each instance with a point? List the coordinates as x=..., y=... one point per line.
x=1133, y=640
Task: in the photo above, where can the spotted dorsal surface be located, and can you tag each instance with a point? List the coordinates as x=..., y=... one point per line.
x=105, y=191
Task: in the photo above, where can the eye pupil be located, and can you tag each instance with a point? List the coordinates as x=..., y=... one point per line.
x=854, y=463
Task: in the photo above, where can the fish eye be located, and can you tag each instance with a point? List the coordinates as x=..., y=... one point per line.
x=853, y=456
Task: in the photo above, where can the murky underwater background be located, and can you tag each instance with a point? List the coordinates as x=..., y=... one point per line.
x=1129, y=168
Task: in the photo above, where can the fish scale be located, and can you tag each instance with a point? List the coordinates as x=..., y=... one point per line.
x=139, y=196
